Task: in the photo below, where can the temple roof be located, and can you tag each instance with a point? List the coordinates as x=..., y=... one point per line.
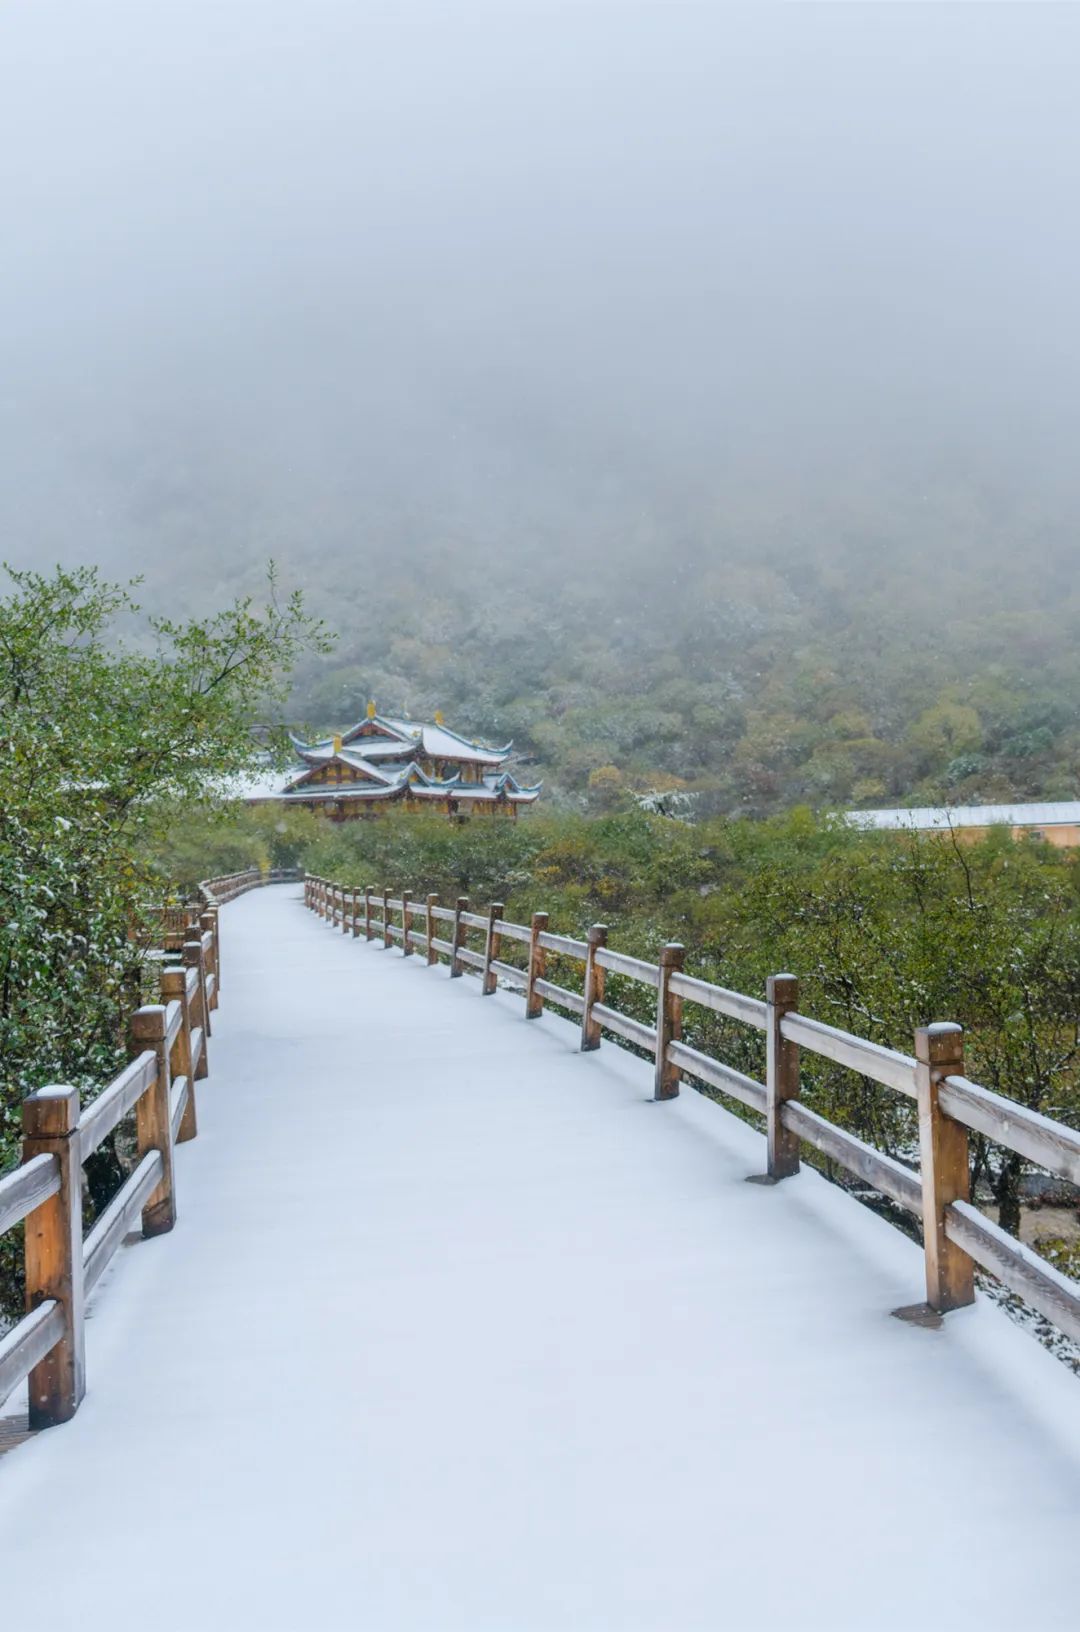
x=379, y=737
x=383, y=782
x=383, y=754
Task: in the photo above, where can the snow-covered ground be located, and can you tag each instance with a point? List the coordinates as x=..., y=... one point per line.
x=457, y=1329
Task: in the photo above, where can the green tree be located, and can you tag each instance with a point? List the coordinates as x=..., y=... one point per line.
x=99, y=742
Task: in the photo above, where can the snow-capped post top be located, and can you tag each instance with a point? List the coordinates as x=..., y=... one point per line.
x=52, y=1112
x=941, y=1046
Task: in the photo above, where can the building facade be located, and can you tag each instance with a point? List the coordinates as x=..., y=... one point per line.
x=1056, y=822
x=383, y=763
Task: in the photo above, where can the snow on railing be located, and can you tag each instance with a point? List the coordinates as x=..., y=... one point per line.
x=215, y=891
x=956, y=1237
x=59, y=1134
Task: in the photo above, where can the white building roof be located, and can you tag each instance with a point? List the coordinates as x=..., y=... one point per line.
x=1060, y=813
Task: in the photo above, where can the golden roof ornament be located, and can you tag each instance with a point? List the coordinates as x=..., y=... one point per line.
x=440, y=718
x=371, y=709
x=337, y=744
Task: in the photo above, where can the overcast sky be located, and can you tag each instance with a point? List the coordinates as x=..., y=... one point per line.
x=271, y=268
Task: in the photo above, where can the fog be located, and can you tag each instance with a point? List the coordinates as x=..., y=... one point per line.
x=265, y=257
x=533, y=293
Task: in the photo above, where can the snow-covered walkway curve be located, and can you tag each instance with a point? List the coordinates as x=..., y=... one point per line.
x=458, y=1329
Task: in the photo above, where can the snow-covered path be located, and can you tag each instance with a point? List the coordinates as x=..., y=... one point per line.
x=457, y=1329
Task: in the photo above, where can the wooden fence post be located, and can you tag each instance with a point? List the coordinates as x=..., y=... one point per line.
x=781, y=1075
x=456, y=968
x=594, y=987
x=492, y=948
x=943, y=1156
x=174, y=989
x=208, y=923
x=369, y=933
x=153, y=1122
x=345, y=894
x=386, y=917
x=54, y=1254
x=193, y=959
x=534, y=1003
x=668, y=1022
x=432, y=954
x=406, y=924
x=355, y=911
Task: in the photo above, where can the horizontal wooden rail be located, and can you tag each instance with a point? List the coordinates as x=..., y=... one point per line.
x=883, y=1065
x=1021, y=1270
x=174, y=1019
x=157, y=1089
x=119, y=1099
x=507, y=972
x=633, y=968
x=956, y=1235
x=28, y=1343
x=891, y=1177
x=564, y=945
x=179, y=1096
x=26, y=1189
x=718, y=1075
x=118, y=1218
x=623, y=1025
x=560, y=995
x=513, y=932
x=750, y=1010
x=1047, y=1143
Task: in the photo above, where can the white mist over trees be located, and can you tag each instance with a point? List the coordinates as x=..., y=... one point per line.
x=685, y=389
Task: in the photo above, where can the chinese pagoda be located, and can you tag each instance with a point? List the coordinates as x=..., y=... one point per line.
x=381, y=762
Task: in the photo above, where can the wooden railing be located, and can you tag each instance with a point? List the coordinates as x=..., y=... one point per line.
x=956, y=1235
x=171, y=1046
x=213, y=892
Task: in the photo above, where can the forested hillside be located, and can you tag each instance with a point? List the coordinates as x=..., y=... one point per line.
x=890, y=651
x=902, y=643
